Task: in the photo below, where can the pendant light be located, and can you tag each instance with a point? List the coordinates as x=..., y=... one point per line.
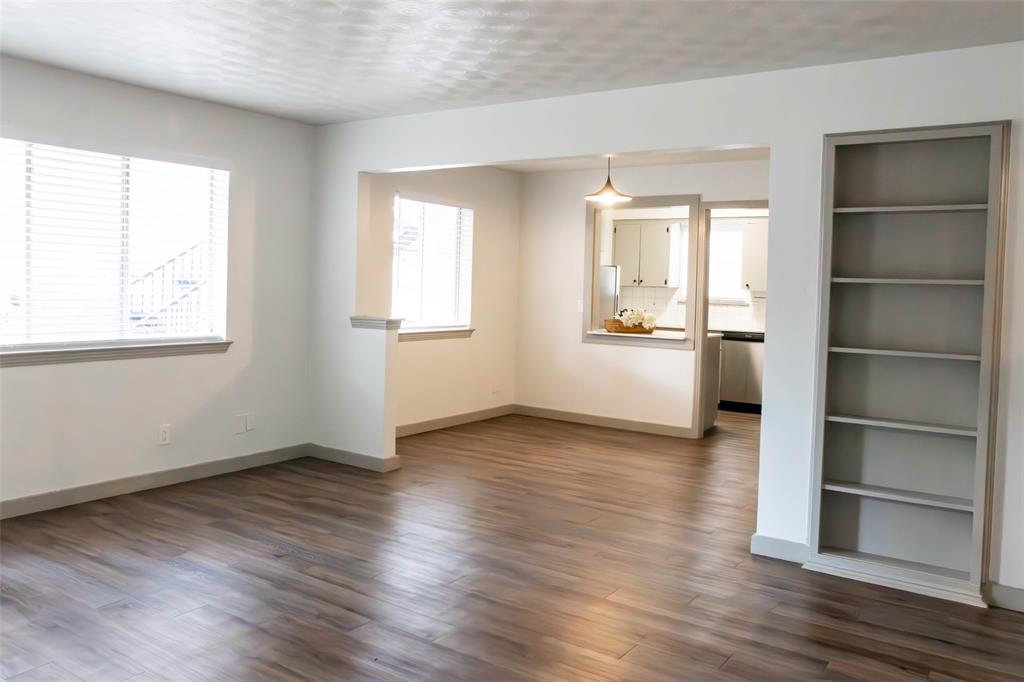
x=608, y=195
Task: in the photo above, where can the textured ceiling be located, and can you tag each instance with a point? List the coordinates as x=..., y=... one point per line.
x=333, y=60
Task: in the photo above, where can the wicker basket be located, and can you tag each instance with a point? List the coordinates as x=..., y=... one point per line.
x=616, y=327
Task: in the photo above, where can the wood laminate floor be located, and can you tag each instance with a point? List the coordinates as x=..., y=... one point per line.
x=512, y=549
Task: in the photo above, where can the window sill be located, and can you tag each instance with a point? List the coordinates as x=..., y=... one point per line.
x=58, y=356
x=435, y=334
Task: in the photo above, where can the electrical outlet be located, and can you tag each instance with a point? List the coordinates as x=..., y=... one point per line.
x=240, y=423
x=165, y=434
x=250, y=421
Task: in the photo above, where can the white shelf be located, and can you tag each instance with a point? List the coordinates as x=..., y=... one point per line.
x=906, y=353
x=898, y=495
x=896, y=280
x=925, y=208
x=929, y=569
x=904, y=425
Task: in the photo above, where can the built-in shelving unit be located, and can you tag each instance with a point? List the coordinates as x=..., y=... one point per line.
x=913, y=241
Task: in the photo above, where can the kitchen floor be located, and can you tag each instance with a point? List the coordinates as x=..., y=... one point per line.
x=511, y=549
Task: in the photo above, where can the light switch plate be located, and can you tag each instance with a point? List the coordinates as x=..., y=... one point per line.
x=250, y=421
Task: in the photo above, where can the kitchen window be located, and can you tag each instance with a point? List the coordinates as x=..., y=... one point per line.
x=725, y=268
x=106, y=250
x=432, y=270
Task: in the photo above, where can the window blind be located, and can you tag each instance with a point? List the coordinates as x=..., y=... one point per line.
x=100, y=248
x=433, y=263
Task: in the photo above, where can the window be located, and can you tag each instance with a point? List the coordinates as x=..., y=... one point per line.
x=101, y=249
x=725, y=269
x=433, y=262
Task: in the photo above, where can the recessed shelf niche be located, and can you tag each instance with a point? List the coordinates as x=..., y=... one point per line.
x=912, y=236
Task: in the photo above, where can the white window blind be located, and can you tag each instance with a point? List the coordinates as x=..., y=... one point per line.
x=433, y=263
x=102, y=249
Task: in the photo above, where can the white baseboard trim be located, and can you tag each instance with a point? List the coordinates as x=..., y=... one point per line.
x=777, y=548
x=354, y=459
x=1004, y=596
x=453, y=420
x=31, y=504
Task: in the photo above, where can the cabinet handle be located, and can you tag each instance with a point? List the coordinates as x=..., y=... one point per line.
x=641, y=281
x=666, y=282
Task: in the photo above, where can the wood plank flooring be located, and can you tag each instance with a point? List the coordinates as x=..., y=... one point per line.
x=512, y=549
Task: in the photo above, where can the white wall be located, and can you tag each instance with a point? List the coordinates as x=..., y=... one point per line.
x=794, y=108
x=446, y=377
x=75, y=424
x=555, y=369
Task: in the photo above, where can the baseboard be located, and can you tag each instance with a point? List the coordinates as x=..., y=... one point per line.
x=354, y=459
x=777, y=548
x=898, y=578
x=454, y=420
x=30, y=504
x=607, y=422
x=1004, y=596
x=544, y=413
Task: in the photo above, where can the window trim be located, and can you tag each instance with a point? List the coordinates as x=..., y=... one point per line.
x=118, y=349
x=56, y=354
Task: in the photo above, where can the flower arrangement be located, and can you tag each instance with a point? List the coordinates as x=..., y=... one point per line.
x=636, y=317
x=631, y=320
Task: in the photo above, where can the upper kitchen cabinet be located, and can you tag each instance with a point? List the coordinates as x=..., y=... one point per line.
x=648, y=252
x=627, y=252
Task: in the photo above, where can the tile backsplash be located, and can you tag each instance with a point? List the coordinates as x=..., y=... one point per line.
x=669, y=305
x=666, y=303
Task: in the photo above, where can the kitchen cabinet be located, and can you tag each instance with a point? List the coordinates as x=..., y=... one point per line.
x=655, y=254
x=627, y=253
x=755, y=254
x=648, y=253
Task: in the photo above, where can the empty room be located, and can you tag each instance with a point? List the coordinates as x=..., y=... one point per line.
x=487, y=340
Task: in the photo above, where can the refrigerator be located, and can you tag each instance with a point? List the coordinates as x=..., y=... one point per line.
x=607, y=292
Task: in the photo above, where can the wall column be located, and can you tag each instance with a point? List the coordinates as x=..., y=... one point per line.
x=375, y=342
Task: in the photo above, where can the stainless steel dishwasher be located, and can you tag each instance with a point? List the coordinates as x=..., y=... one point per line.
x=742, y=371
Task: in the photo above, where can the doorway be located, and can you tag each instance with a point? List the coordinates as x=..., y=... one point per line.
x=737, y=252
